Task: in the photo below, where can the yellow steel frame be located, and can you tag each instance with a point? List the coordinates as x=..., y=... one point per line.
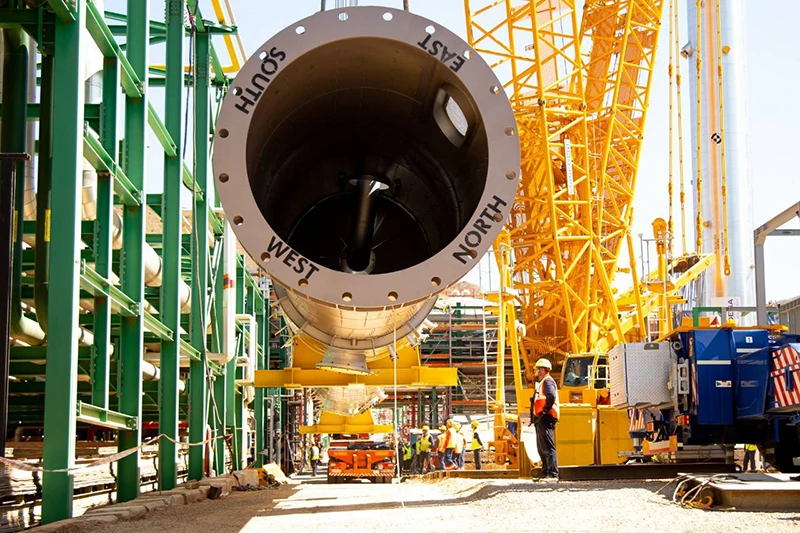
x=619, y=73
x=304, y=372
x=581, y=120
x=335, y=424
x=236, y=51
x=537, y=50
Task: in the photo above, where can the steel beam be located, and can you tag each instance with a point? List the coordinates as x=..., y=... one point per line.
x=171, y=135
x=131, y=80
x=759, y=238
x=62, y=347
x=102, y=243
x=262, y=321
x=66, y=12
x=99, y=416
x=415, y=377
x=95, y=152
x=197, y=369
x=132, y=328
x=8, y=165
x=218, y=411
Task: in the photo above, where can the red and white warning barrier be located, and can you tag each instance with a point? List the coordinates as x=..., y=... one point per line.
x=786, y=377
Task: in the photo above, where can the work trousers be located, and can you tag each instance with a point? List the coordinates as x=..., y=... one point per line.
x=460, y=462
x=546, y=443
x=424, y=462
x=314, y=463
x=448, y=457
x=749, y=457
x=477, y=455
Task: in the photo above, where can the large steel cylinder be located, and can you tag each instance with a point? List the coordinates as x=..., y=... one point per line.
x=366, y=159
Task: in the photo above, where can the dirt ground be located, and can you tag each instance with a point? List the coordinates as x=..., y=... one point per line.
x=454, y=505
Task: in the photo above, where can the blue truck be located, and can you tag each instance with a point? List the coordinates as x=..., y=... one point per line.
x=714, y=386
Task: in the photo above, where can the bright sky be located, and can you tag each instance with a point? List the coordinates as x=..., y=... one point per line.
x=773, y=78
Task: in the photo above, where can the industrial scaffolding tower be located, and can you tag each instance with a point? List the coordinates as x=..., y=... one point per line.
x=69, y=263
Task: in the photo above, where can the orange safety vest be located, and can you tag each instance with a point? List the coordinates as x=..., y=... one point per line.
x=450, y=442
x=540, y=399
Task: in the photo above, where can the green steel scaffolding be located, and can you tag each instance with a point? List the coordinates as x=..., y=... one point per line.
x=92, y=367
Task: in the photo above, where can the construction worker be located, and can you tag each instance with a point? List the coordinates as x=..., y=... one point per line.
x=314, y=458
x=544, y=413
x=407, y=456
x=441, y=447
x=477, y=445
x=749, y=457
x=450, y=439
x=424, y=445
x=458, y=452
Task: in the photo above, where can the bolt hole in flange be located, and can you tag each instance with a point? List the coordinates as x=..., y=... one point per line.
x=387, y=16
x=238, y=220
x=223, y=178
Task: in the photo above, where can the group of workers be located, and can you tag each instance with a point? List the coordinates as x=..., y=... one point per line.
x=444, y=451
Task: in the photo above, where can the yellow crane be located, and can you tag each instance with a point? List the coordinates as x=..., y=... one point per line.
x=579, y=79
x=580, y=91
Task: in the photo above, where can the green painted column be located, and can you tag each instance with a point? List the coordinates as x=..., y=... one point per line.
x=171, y=247
x=104, y=229
x=261, y=393
x=218, y=410
x=197, y=370
x=235, y=393
x=62, y=348
x=132, y=270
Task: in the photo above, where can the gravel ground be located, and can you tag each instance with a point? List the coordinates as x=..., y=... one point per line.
x=454, y=505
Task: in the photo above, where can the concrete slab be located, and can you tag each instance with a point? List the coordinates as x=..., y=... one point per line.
x=752, y=492
x=135, y=509
x=245, y=477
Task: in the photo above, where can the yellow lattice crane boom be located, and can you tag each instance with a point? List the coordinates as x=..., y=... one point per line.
x=580, y=88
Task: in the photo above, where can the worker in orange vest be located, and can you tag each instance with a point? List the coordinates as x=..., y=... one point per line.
x=440, y=441
x=450, y=439
x=544, y=413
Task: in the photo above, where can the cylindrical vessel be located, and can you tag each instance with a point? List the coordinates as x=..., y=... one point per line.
x=366, y=159
x=718, y=289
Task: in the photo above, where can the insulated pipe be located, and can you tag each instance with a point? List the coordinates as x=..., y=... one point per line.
x=228, y=295
x=150, y=372
x=249, y=361
x=29, y=208
x=376, y=92
x=13, y=139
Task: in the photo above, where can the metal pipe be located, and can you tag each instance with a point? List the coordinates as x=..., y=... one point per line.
x=8, y=162
x=14, y=132
x=29, y=207
x=228, y=295
x=43, y=199
x=249, y=361
x=362, y=227
x=448, y=188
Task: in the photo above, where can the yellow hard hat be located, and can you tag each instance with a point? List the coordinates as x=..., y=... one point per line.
x=442, y=428
x=457, y=425
x=425, y=428
x=449, y=423
x=544, y=363
x=474, y=423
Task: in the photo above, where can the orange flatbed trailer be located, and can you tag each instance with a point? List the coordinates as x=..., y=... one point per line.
x=376, y=465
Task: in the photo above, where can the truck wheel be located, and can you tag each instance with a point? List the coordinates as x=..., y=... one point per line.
x=787, y=449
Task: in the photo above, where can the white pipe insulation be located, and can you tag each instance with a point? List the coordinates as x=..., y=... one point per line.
x=249, y=361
